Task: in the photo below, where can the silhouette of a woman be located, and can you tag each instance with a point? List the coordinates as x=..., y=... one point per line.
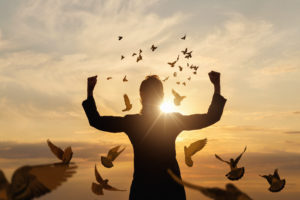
x=152, y=135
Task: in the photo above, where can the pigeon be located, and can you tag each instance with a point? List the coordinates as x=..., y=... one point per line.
x=153, y=48
x=140, y=51
x=122, y=57
x=64, y=155
x=33, y=181
x=188, y=55
x=175, y=74
x=127, y=103
x=111, y=156
x=183, y=38
x=180, y=68
x=139, y=58
x=276, y=184
x=97, y=188
x=195, y=72
x=177, y=98
x=189, y=78
x=231, y=192
x=125, y=79
x=134, y=54
x=183, y=83
x=165, y=79
x=172, y=64
x=120, y=37
x=192, y=149
x=108, y=78
x=235, y=172
x=184, y=51
x=178, y=82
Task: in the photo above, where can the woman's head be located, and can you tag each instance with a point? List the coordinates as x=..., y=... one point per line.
x=151, y=91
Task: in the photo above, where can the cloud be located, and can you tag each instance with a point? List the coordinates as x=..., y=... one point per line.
x=292, y=132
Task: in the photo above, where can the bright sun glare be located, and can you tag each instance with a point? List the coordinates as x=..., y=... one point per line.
x=167, y=107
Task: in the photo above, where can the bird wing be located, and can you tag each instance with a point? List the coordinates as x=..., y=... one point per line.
x=116, y=154
x=58, y=152
x=112, y=151
x=196, y=146
x=127, y=102
x=97, y=189
x=239, y=157
x=219, y=158
x=68, y=154
x=98, y=177
x=276, y=175
x=176, y=95
x=33, y=181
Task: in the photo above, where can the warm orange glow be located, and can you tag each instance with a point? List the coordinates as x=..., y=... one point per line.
x=167, y=107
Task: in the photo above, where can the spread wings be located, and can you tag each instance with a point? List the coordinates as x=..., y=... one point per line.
x=196, y=146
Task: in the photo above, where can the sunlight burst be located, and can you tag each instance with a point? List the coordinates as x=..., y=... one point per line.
x=167, y=107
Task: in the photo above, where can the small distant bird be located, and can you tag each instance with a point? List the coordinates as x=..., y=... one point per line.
x=183, y=38
x=139, y=58
x=165, y=79
x=172, y=64
x=235, y=172
x=97, y=188
x=188, y=55
x=120, y=37
x=184, y=83
x=108, y=78
x=29, y=182
x=178, y=82
x=107, y=161
x=127, y=103
x=231, y=192
x=195, y=72
x=125, y=79
x=134, y=54
x=177, y=58
x=276, y=184
x=180, y=68
x=177, y=97
x=64, y=155
x=140, y=51
x=192, y=149
x=153, y=48
x=122, y=57
x=175, y=74
x=184, y=51
x=189, y=78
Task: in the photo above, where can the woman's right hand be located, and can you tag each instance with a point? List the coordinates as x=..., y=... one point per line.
x=91, y=82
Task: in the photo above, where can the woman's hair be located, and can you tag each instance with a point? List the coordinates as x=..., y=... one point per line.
x=151, y=92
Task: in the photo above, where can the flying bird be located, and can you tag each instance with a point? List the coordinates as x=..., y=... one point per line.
x=120, y=37
x=140, y=51
x=235, y=172
x=189, y=78
x=183, y=83
x=108, y=78
x=183, y=38
x=184, y=51
x=125, y=79
x=177, y=58
x=180, y=68
x=165, y=79
x=64, y=155
x=276, y=184
x=175, y=74
x=122, y=57
x=153, y=48
x=107, y=161
x=172, y=64
x=29, y=182
x=97, y=188
x=139, y=58
x=178, y=82
x=231, y=192
x=177, y=97
x=195, y=72
x=127, y=103
x=188, y=55
x=192, y=149
x=134, y=54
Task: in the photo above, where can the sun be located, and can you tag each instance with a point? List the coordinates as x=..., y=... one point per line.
x=167, y=107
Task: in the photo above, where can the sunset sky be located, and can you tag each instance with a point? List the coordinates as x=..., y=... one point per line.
x=48, y=48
